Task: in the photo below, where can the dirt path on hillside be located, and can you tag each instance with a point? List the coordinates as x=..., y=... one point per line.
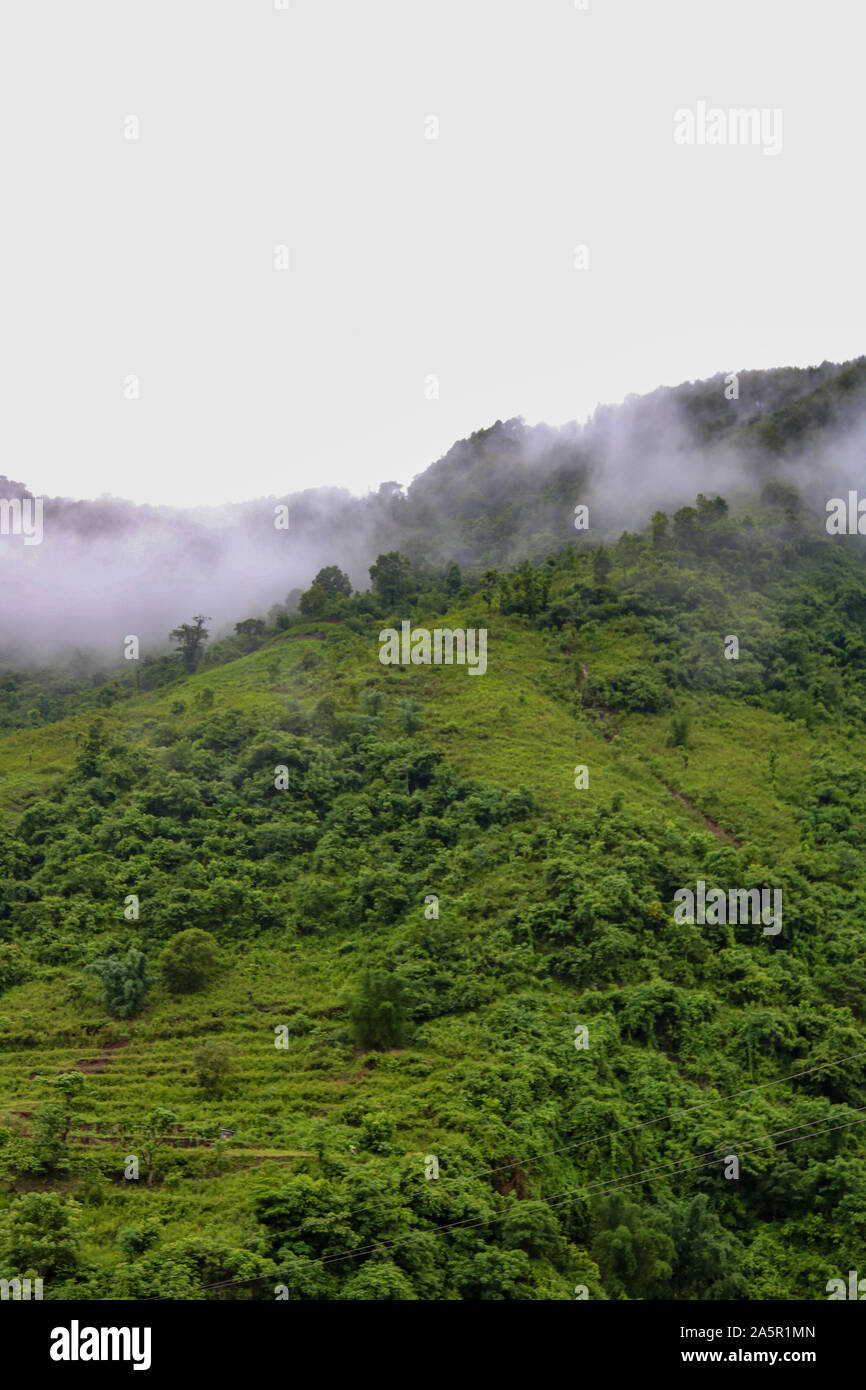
x=719, y=831
x=726, y=836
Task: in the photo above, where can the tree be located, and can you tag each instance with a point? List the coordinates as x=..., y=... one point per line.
x=314, y=602
x=13, y=965
x=453, y=579
x=377, y=1016
x=709, y=1259
x=124, y=981
x=333, y=581
x=601, y=565
x=250, y=628
x=393, y=498
x=659, y=530
x=527, y=592
x=379, y=1281
x=635, y=1256
x=327, y=594
x=189, y=639
x=135, y=1240
x=684, y=525
x=411, y=715
x=152, y=1132
x=710, y=511
x=94, y=745
x=392, y=577
x=52, y=1123
x=325, y=719
x=39, y=1235
x=48, y=1136
x=214, y=1066
x=489, y=585
x=189, y=961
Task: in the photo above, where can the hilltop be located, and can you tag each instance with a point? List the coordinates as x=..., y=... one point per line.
x=507, y=493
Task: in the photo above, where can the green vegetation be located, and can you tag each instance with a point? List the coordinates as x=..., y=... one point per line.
x=284, y=809
x=124, y=981
x=189, y=961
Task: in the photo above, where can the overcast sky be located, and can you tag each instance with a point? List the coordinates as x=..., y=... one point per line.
x=409, y=257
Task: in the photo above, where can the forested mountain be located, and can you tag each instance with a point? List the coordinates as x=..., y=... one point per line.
x=324, y=978
x=107, y=568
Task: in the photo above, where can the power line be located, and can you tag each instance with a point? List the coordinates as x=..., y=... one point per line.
x=683, y=1110
x=627, y=1129
x=595, y=1189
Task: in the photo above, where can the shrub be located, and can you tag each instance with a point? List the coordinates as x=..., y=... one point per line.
x=189, y=961
x=214, y=1067
x=135, y=1240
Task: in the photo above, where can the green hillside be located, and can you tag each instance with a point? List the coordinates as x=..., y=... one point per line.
x=454, y=1037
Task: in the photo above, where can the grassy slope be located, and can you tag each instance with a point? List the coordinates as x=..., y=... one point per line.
x=509, y=727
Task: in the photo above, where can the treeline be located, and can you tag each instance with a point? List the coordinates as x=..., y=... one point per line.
x=680, y=581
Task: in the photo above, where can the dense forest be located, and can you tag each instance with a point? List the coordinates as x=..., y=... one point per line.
x=327, y=979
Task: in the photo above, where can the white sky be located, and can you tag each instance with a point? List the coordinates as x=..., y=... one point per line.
x=408, y=256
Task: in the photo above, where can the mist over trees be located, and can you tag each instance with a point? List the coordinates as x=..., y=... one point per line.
x=108, y=568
